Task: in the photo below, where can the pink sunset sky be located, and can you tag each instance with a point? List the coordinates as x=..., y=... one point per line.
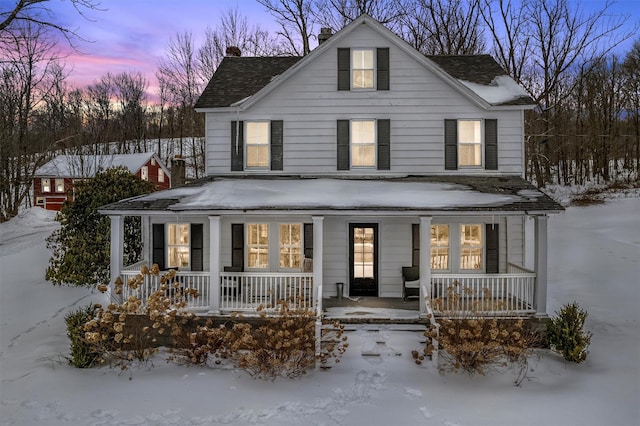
x=132, y=35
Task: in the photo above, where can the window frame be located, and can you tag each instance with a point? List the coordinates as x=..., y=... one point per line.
x=260, y=247
x=45, y=185
x=160, y=175
x=439, y=247
x=144, y=173
x=373, y=69
x=480, y=246
x=373, y=144
x=248, y=145
x=478, y=145
x=59, y=183
x=169, y=246
x=291, y=246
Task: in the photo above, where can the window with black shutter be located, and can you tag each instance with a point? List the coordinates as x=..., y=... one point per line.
x=237, y=146
x=276, y=145
x=491, y=144
x=492, y=248
x=197, y=246
x=237, y=245
x=158, y=245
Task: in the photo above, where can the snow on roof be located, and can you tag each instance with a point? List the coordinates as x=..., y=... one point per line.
x=324, y=193
x=83, y=166
x=503, y=89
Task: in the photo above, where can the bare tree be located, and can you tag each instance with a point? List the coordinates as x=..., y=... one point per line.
x=296, y=20
x=439, y=27
x=130, y=94
x=336, y=14
x=40, y=14
x=30, y=72
x=631, y=89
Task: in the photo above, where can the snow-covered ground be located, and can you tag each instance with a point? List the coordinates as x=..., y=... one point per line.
x=594, y=259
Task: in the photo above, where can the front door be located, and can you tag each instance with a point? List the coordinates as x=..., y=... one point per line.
x=363, y=254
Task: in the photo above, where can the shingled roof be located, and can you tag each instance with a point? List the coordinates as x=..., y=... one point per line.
x=240, y=77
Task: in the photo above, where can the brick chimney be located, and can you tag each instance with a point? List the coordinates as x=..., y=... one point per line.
x=325, y=34
x=233, y=51
x=178, y=171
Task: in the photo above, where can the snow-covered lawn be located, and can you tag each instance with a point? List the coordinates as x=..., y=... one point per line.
x=594, y=259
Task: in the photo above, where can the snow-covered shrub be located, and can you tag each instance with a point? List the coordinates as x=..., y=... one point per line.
x=479, y=345
x=82, y=353
x=268, y=347
x=131, y=331
x=566, y=335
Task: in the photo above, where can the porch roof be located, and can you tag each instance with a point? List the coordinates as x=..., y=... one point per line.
x=391, y=194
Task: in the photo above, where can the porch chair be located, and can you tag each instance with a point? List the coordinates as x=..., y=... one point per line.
x=232, y=287
x=410, y=282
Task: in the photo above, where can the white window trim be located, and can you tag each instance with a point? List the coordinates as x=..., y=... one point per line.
x=57, y=181
x=168, y=246
x=301, y=247
x=449, y=262
x=269, y=246
x=246, y=146
x=144, y=173
x=375, y=69
x=46, y=188
x=482, y=248
x=160, y=175
x=274, y=246
x=482, y=160
x=375, y=145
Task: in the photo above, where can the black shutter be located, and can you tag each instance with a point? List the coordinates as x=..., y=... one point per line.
x=491, y=144
x=343, y=145
x=158, y=245
x=344, y=68
x=308, y=240
x=450, y=144
x=237, y=245
x=384, y=144
x=492, y=243
x=382, y=62
x=276, y=144
x=197, y=244
x=237, y=146
x=415, y=244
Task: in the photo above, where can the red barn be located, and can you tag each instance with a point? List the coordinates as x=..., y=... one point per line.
x=53, y=183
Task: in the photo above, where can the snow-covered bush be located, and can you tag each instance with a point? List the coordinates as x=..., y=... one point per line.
x=566, y=335
x=82, y=353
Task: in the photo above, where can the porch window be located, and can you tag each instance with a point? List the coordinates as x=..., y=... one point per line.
x=440, y=247
x=469, y=143
x=363, y=143
x=362, y=69
x=46, y=185
x=59, y=185
x=257, y=144
x=178, y=246
x=471, y=247
x=290, y=246
x=258, y=245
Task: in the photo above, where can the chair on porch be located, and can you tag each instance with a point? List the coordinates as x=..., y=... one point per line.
x=410, y=282
x=232, y=287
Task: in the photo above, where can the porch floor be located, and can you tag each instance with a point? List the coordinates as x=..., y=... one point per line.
x=387, y=310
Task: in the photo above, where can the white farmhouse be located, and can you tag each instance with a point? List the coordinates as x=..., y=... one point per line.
x=363, y=167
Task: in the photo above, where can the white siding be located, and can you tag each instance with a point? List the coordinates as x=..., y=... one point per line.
x=417, y=105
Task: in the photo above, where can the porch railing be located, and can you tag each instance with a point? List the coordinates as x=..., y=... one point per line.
x=175, y=288
x=246, y=291
x=483, y=294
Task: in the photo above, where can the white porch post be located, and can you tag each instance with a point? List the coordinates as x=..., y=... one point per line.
x=541, y=265
x=117, y=231
x=318, y=232
x=214, y=264
x=425, y=262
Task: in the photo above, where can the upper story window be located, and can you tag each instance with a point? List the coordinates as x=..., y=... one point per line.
x=144, y=173
x=178, y=245
x=363, y=143
x=46, y=185
x=469, y=143
x=362, y=69
x=257, y=144
x=160, y=175
x=59, y=185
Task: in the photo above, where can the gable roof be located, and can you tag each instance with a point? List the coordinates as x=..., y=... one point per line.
x=84, y=166
x=241, y=81
x=240, y=77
